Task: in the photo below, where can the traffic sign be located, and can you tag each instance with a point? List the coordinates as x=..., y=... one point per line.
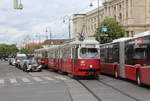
x=104, y=29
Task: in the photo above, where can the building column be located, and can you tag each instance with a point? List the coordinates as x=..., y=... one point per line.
x=129, y=8
x=124, y=8
x=117, y=12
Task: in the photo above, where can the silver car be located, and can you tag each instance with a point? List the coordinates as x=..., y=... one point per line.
x=32, y=66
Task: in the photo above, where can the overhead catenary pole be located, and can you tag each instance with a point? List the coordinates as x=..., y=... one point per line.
x=69, y=26
x=50, y=35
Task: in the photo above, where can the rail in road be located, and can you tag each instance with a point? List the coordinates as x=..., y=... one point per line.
x=100, y=97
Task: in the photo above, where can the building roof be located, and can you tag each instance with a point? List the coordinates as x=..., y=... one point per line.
x=55, y=41
x=33, y=44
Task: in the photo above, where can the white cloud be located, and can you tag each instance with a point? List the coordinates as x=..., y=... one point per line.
x=36, y=16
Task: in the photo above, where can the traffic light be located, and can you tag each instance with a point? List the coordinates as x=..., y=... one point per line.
x=15, y=4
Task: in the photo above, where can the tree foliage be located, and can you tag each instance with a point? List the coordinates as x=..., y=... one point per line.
x=29, y=50
x=115, y=31
x=8, y=50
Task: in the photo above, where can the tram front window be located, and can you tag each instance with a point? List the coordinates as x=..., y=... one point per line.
x=89, y=53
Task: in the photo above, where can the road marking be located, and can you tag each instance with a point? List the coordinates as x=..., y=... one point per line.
x=37, y=79
x=1, y=81
x=48, y=78
x=60, y=77
x=13, y=81
x=25, y=80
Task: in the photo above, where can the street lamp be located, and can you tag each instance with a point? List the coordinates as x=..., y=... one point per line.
x=69, y=26
x=98, y=12
x=98, y=16
x=17, y=5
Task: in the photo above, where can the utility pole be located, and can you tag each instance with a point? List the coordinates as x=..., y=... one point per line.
x=69, y=26
x=50, y=36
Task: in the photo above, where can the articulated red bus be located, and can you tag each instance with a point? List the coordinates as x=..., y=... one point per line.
x=78, y=58
x=128, y=58
x=42, y=57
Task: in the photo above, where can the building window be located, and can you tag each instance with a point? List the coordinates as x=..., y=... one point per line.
x=127, y=33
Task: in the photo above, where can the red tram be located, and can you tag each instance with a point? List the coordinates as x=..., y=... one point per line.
x=128, y=58
x=42, y=57
x=78, y=58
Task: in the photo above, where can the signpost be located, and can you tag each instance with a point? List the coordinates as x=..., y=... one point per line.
x=103, y=30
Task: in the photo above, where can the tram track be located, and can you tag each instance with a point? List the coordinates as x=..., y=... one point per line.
x=90, y=91
x=108, y=85
x=120, y=91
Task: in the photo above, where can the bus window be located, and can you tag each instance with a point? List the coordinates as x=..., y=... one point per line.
x=139, y=53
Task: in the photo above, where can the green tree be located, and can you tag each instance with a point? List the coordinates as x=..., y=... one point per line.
x=8, y=50
x=29, y=50
x=115, y=31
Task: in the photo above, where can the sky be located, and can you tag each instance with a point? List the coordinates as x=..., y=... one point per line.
x=38, y=16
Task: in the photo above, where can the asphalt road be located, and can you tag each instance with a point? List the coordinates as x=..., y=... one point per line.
x=16, y=85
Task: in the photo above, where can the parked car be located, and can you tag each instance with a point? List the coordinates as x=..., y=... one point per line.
x=12, y=61
x=32, y=66
x=20, y=59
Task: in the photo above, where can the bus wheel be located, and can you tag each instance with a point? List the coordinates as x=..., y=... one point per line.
x=116, y=73
x=138, y=79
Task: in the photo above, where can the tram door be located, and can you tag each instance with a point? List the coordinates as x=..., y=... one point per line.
x=74, y=58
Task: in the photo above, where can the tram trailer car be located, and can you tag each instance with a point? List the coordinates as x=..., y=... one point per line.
x=128, y=58
x=41, y=57
x=78, y=58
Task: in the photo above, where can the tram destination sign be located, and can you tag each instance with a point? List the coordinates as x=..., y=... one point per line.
x=90, y=46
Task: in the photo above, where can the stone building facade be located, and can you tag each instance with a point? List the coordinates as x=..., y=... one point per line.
x=133, y=14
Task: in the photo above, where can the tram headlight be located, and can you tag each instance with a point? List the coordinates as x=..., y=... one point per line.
x=91, y=66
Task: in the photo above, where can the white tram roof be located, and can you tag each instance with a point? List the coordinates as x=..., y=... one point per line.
x=122, y=39
x=85, y=42
x=147, y=33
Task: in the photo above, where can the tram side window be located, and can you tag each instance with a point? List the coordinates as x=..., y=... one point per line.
x=102, y=54
x=74, y=53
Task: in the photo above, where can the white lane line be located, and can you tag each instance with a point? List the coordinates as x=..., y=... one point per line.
x=48, y=78
x=1, y=81
x=60, y=77
x=37, y=79
x=26, y=80
x=13, y=81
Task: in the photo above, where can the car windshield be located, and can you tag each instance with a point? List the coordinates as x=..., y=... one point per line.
x=21, y=58
x=89, y=53
x=33, y=62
